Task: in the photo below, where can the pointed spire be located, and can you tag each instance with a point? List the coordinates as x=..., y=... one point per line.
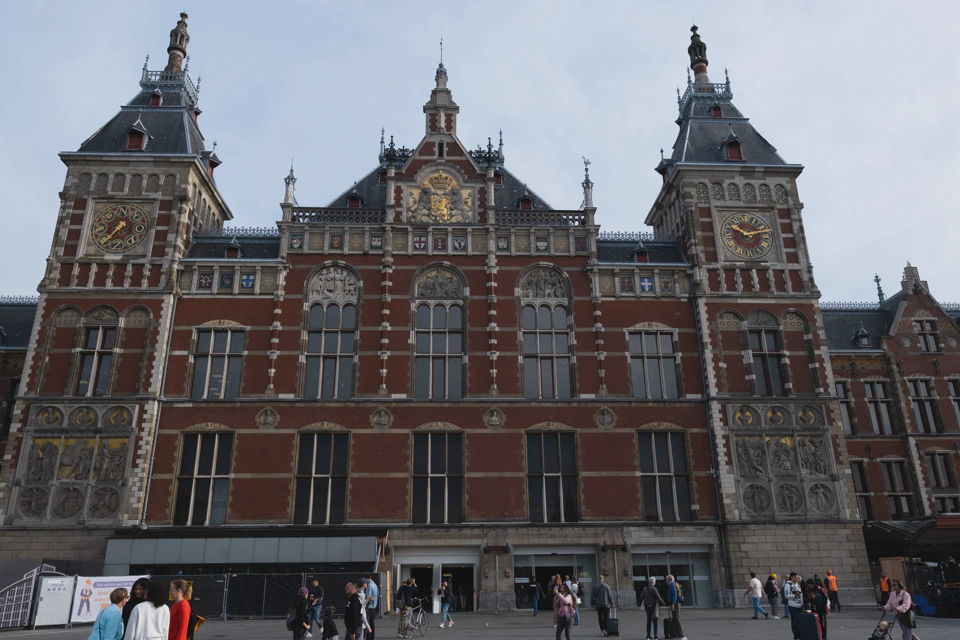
x=146, y=62
x=177, y=51
x=698, y=57
x=587, y=184
x=441, y=77
x=289, y=183
x=500, y=150
x=876, y=278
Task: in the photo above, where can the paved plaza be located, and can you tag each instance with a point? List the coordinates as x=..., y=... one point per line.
x=852, y=624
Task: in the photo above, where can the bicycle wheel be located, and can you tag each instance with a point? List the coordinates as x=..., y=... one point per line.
x=423, y=621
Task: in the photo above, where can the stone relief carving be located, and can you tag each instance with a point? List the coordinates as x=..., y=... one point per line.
x=783, y=462
x=605, y=418
x=42, y=464
x=607, y=285
x=765, y=193
x=103, y=313
x=789, y=498
x=138, y=317
x=33, y=502
x=439, y=284
x=791, y=320
x=728, y=320
x=381, y=418
x=334, y=283
x=268, y=281
x=84, y=417
x=561, y=244
x=776, y=416
x=437, y=426
x=756, y=498
x=813, y=459
x=119, y=417
x=267, y=418
x=68, y=318
x=702, y=193
x=110, y=461
x=746, y=417
x=494, y=418
x=543, y=283
x=104, y=502
x=550, y=426
x=76, y=460
x=751, y=457
x=717, y=191
x=479, y=243
x=49, y=417
x=810, y=417
x=68, y=502
x=781, y=195
x=749, y=193
x=762, y=319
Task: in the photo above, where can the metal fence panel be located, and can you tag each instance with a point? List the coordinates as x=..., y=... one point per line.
x=257, y=595
x=208, y=590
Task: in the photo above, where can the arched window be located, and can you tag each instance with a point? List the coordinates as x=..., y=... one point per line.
x=766, y=352
x=545, y=335
x=439, y=336
x=331, y=340
x=96, y=351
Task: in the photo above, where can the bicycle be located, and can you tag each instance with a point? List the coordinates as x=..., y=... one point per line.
x=416, y=619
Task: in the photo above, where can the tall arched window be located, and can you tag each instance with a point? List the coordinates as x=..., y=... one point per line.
x=439, y=336
x=545, y=335
x=331, y=333
x=99, y=339
x=765, y=343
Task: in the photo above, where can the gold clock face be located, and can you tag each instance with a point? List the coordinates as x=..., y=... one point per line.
x=120, y=228
x=747, y=236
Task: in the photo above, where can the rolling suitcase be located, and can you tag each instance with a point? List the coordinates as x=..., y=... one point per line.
x=810, y=627
x=671, y=628
x=613, y=625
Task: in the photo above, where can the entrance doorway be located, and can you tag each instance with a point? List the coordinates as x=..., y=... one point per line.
x=424, y=577
x=543, y=567
x=460, y=578
x=691, y=570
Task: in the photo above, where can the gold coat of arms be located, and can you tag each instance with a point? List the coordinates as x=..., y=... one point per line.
x=439, y=200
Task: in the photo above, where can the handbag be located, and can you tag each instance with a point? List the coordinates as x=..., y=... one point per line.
x=908, y=619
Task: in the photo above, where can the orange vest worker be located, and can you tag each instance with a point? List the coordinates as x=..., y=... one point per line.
x=885, y=585
x=831, y=583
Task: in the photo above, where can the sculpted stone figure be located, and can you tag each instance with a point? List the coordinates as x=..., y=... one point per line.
x=544, y=284
x=751, y=456
x=439, y=284
x=781, y=457
x=334, y=282
x=812, y=457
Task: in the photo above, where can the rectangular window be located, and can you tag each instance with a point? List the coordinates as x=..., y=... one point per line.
x=218, y=364
x=664, y=477
x=321, y=496
x=437, y=478
x=927, y=335
x=846, y=407
x=862, y=488
x=940, y=471
x=331, y=341
x=924, y=409
x=653, y=365
x=439, y=347
x=204, y=479
x=954, y=386
x=765, y=350
x=552, y=481
x=96, y=357
x=546, y=352
x=881, y=407
x=896, y=486
x=9, y=402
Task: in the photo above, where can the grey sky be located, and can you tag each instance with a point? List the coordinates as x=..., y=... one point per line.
x=864, y=95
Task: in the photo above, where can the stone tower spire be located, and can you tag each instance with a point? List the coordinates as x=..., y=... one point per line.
x=177, y=50
x=698, y=57
x=441, y=110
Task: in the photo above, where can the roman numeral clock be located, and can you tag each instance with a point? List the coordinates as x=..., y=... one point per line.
x=746, y=236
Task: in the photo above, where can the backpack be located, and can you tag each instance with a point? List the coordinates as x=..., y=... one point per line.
x=291, y=619
x=196, y=622
x=768, y=588
x=679, y=592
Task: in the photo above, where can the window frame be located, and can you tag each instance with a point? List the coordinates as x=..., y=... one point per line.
x=332, y=476
x=431, y=357
x=880, y=407
x=97, y=353
x=953, y=388
x=641, y=356
x=847, y=408
x=765, y=356
x=553, y=356
x=928, y=335
x=212, y=477
x=925, y=410
x=572, y=477
x=322, y=356
x=429, y=476
x=897, y=488
x=228, y=355
x=863, y=494
x=670, y=475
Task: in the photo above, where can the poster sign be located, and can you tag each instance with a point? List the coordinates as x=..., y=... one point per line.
x=93, y=594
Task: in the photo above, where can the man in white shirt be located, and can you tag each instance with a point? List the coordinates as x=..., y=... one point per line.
x=794, y=595
x=755, y=592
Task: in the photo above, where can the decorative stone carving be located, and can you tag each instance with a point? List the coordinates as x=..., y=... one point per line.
x=83, y=418
x=494, y=418
x=561, y=244
x=323, y=426
x=42, y=464
x=221, y=323
x=334, y=283
x=137, y=317
x=33, y=502
x=104, y=502
x=440, y=200
x=813, y=458
x=68, y=502
x=186, y=280
x=749, y=193
x=783, y=461
x=789, y=498
x=315, y=242
x=751, y=457
x=607, y=285
x=717, y=191
x=267, y=419
x=728, y=320
x=209, y=426
x=103, y=314
x=49, y=417
x=356, y=242
x=792, y=320
x=76, y=460
x=479, y=242
x=544, y=283
x=67, y=318
x=153, y=183
x=905, y=341
x=809, y=417
x=117, y=417
x=440, y=283
x=781, y=195
x=702, y=194
x=746, y=417
x=765, y=193
x=110, y=461
x=776, y=416
x=821, y=497
x=605, y=418
x=756, y=498
x=761, y=318
x=650, y=325
x=522, y=243
x=268, y=281
x=733, y=192
x=381, y=418
x=953, y=342
x=550, y=426
x=438, y=426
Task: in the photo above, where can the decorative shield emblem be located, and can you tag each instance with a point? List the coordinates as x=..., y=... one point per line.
x=246, y=281
x=542, y=243
x=376, y=241
x=503, y=243
x=646, y=284
x=666, y=284
x=226, y=281
x=205, y=281
x=419, y=243
x=336, y=241
x=440, y=243
x=296, y=241
x=459, y=243
x=580, y=243
x=626, y=284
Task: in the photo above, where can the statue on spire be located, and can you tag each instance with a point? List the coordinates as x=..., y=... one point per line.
x=177, y=51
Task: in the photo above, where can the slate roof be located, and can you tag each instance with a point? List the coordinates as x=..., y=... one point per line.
x=16, y=321
x=842, y=326
x=660, y=251
x=214, y=247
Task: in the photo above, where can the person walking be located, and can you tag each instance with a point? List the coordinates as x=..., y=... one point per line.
x=815, y=598
x=602, y=601
x=364, y=625
x=150, y=620
x=675, y=602
x=564, y=605
x=353, y=614
x=180, y=593
x=315, y=599
x=372, y=604
x=300, y=607
x=555, y=584
x=901, y=602
x=329, y=626
x=446, y=600
x=109, y=622
x=575, y=592
x=536, y=592
x=138, y=593
x=793, y=592
x=831, y=584
x=755, y=592
x=772, y=591
x=650, y=600
x=884, y=589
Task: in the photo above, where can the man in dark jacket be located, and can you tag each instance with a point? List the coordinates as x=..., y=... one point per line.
x=352, y=615
x=602, y=600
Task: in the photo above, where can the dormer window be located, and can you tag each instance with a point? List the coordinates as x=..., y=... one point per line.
x=526, y=202
x=353, y=202
x=136, y=140
x=440, y=149
x=734, y=150
x=716, y=111
x=498, y=178
x=156, y=98
x=864, y=341
x=232, y=252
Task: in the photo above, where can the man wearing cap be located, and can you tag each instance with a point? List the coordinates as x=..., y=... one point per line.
x=772, y=591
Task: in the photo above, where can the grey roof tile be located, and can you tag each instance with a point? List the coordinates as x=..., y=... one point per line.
x=16, y=320
x=842, y=327
x=251, y=248
x=657, y=251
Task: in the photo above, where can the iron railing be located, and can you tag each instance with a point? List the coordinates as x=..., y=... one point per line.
x=324, y=215
x=533, y=218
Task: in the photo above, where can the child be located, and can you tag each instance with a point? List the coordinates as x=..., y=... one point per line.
x=329, y=626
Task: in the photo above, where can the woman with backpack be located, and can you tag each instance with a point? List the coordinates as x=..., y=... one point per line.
x=651, y=601
x=150, y=620
x=772, y=591
x=297, y=620
x=816, y=599
x=565, y=607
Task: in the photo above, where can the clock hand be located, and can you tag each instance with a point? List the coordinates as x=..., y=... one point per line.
x=120, y=226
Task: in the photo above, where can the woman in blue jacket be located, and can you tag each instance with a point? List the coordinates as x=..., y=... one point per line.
x=109, y=623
